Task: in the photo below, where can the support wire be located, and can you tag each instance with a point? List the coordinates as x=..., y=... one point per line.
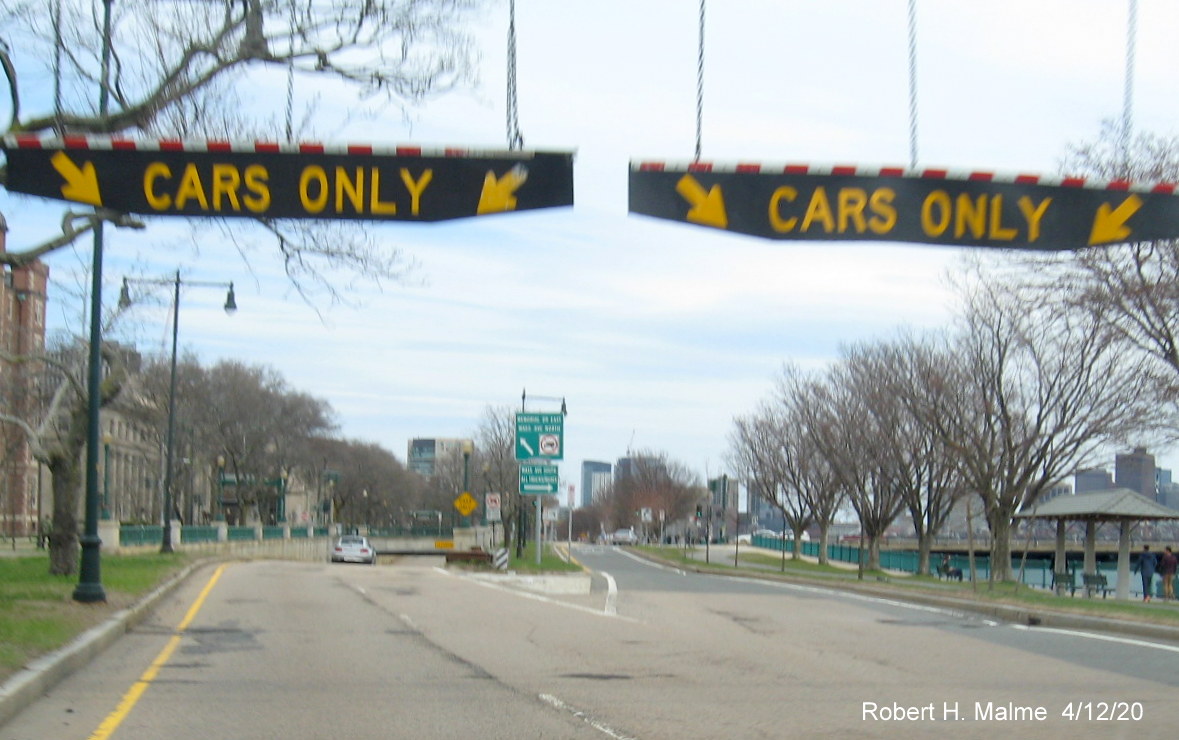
x=515, y=138
x=1128, y=91
x=700, y=85
x=913, y=84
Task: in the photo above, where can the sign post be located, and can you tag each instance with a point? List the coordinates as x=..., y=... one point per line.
x=540, y=440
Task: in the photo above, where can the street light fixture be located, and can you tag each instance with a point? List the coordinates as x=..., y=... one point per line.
x=124, y=302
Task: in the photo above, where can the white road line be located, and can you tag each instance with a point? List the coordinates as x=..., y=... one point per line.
x=652, y=564
x=604, y=729
x=831, y=592
x=1096, y=636
x=611, y=608
x=542, y=599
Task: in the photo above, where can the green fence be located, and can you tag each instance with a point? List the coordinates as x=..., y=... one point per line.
x=1035, y=571
x=237, y=534
x=198, y=534
x=274, y=533
x=131, y=535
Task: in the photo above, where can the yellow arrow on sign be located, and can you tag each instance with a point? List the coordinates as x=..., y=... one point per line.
x=81, y=183
x=499, y=194
x=1109, y=224
x=708, y=206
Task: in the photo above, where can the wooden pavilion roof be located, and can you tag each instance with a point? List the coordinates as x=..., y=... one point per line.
x=1116, y=504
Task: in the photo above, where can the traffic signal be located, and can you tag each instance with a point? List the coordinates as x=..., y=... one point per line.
x=699, y=511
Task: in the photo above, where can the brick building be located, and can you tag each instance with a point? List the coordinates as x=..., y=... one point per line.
x=22, y=333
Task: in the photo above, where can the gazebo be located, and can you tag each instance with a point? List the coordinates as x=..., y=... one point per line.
x=1119, y=505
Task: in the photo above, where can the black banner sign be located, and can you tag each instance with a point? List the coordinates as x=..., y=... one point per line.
x=974, y=211
x=302, y=182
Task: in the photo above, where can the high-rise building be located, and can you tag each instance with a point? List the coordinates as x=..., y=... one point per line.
x=22, y=333
x=595, y=479
x=1135, y=470
x=1093, y=479
x=425, y=453
x=632, y=466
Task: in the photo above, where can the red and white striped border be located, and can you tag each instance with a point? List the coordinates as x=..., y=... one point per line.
x=106, y=143
x=926, y=174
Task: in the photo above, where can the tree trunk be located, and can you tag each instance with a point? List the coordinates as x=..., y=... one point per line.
x=924, y=544
x=1000, y=523
x=796, y=553
x=64, y=550
x=824, y=538
x=873, y=552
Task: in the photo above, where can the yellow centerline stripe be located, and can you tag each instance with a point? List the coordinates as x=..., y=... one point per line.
x=127, y=703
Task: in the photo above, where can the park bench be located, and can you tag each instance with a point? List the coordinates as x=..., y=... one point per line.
x=945, y=570
x=1095, y=582
x=1062, y=581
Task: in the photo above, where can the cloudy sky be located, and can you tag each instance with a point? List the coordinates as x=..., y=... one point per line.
x=656, y=333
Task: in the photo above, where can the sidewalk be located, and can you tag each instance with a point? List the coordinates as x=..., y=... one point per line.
x=23, y=546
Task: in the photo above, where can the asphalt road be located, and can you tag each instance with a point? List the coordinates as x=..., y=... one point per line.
x=298, y=650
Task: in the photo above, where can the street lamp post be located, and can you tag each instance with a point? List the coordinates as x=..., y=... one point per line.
x=218, y=507
x=468, y=448
x=89, y=589
x=230, y=308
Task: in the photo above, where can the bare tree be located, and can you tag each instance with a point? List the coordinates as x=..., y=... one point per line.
x=173, y=69
x=855, y=412
x=495, y=452
x=261, y=428
x=60, y=437
x=173, y=65
x=1036, y=391
x=654, y=482
x=767, y=449
x=1134, y=287
x=811, y=472
x=920, y=466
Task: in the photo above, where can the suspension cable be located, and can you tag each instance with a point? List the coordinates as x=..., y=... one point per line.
x=1128, y=91
x=700, y=85
x=291, y=77
x=515, y=138
x=913, y=84
x=57, y=51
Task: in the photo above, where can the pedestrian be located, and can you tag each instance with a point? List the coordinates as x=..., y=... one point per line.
x=1146, y=565
x=1168, y=564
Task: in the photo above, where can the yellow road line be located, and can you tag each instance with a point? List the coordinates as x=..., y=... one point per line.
x=127, y=703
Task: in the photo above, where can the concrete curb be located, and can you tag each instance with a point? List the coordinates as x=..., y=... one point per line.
x=46, y=671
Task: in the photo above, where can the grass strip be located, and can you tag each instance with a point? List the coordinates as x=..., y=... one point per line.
x=39, y=615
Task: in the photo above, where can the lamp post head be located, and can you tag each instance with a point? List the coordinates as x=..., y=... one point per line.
x=230, y=301
x=124, y=295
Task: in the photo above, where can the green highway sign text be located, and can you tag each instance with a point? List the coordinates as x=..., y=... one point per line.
x=540, y=436
x=541, y=479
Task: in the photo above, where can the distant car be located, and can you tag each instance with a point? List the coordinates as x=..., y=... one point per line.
x=624, y=537
x=352, y=548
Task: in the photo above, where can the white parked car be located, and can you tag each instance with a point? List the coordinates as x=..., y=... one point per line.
x=624, y=537
x=352, y=548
